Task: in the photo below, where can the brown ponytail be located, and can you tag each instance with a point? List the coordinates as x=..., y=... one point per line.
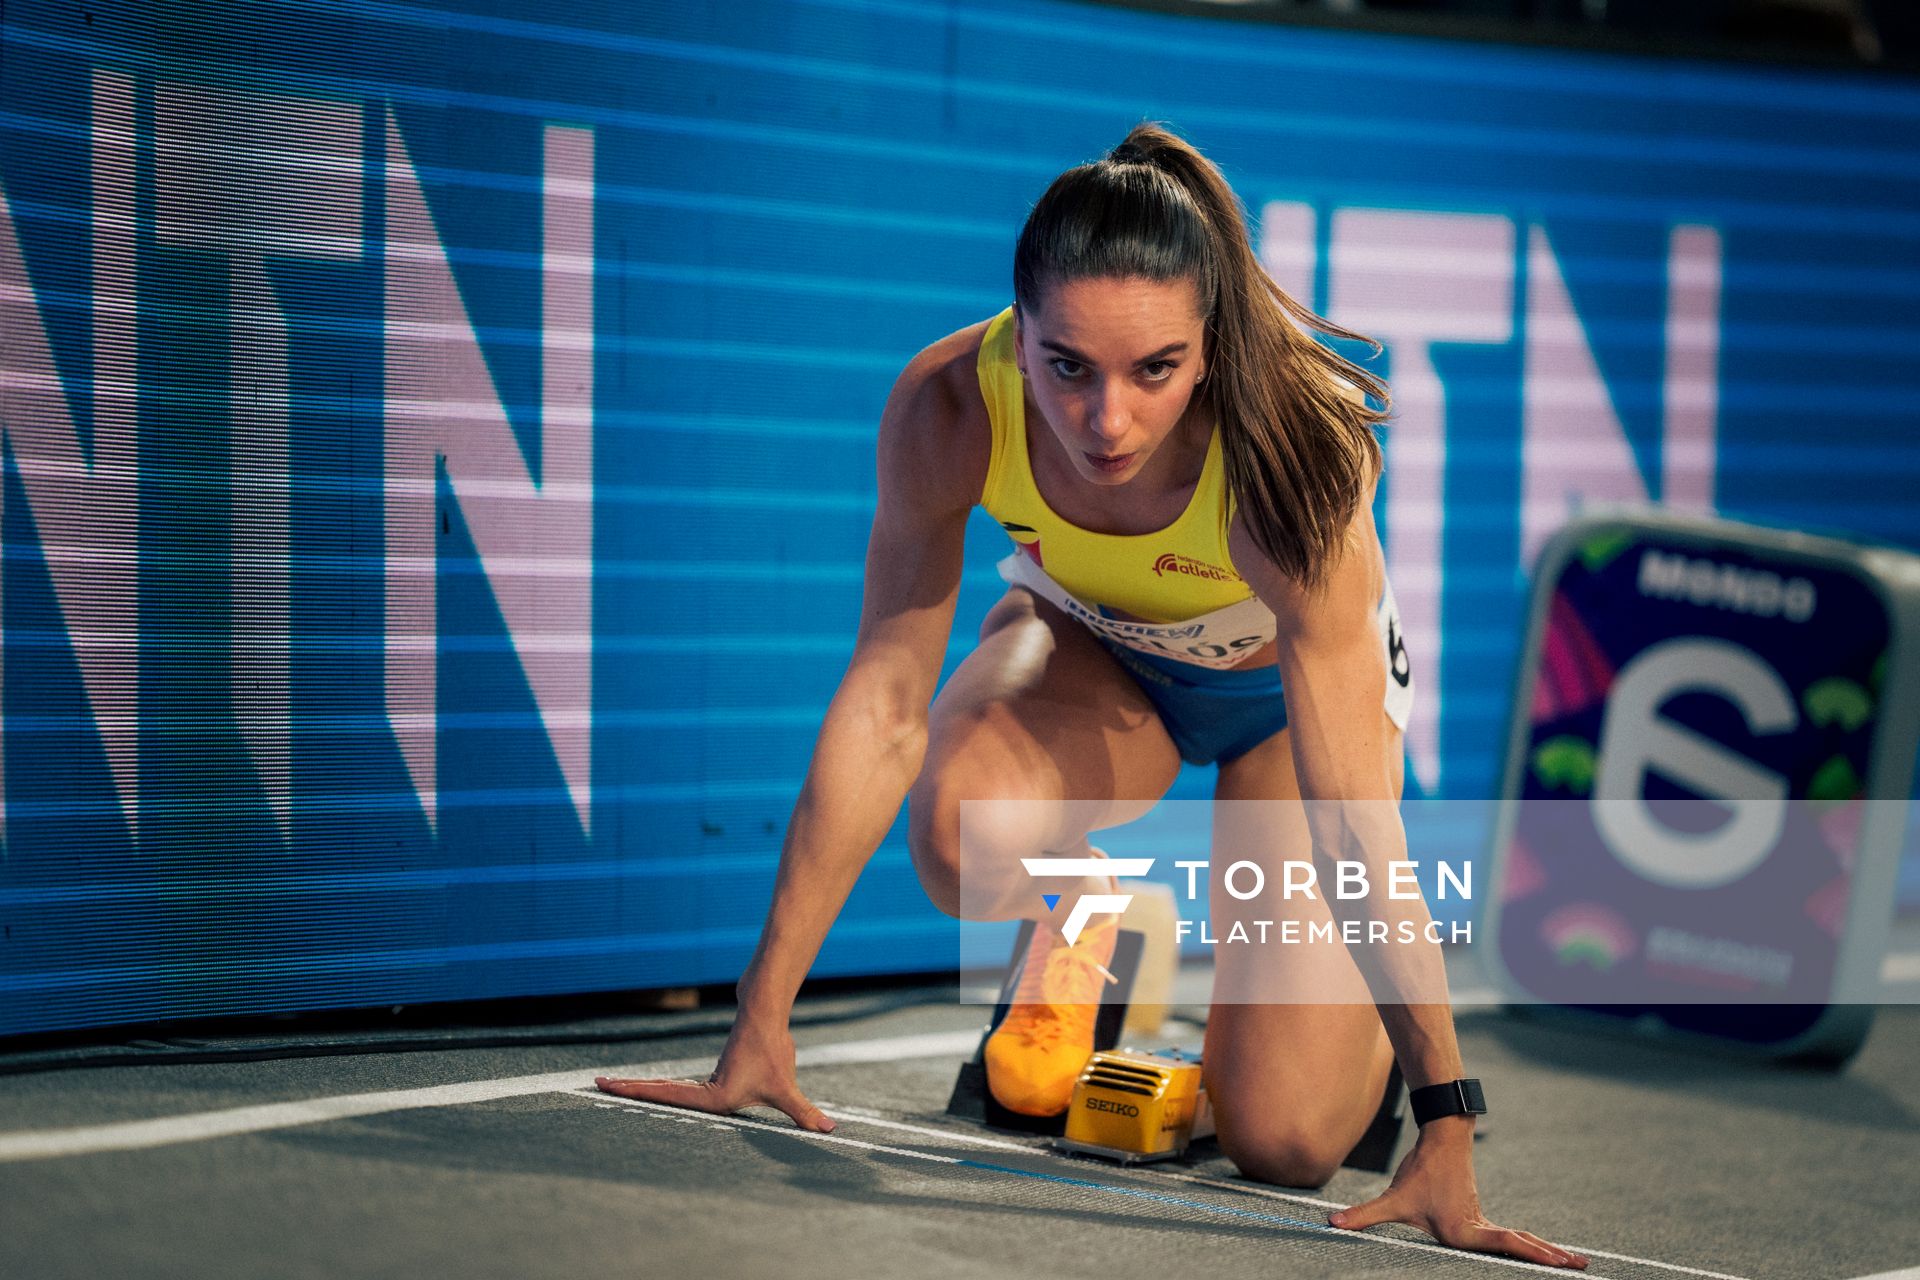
x=1299, y=445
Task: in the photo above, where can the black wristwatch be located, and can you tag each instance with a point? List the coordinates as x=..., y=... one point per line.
x=1454, y=1098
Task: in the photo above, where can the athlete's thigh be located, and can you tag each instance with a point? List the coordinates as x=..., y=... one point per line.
x=1040, y=710
x=1296, y=1055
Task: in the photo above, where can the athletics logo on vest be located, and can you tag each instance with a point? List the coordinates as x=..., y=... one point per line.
x=1171, y=563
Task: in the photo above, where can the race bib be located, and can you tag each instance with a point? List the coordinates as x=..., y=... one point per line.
x=1218, y=640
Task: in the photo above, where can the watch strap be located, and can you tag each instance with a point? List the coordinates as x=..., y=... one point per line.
x=1453, y=1098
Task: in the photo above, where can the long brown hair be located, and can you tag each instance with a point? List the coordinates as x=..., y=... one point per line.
x=1299, y=446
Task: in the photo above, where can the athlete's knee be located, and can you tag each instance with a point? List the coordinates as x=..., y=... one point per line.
x=935, y=832
x=966, y=834
x=1292, y=1151
x=934, y=847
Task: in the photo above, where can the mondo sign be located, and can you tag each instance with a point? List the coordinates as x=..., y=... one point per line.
x=1706, y=776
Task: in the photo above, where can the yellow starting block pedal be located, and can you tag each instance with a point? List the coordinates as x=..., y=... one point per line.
x=1133, y=1107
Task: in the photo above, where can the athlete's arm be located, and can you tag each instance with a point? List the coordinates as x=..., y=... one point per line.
x=874, y=737
x=932, y=462
x=1333, y=667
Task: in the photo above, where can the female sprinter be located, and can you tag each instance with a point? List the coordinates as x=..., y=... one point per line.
x=1195, y=458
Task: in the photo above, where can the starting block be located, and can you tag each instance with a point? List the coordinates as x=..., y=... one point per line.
x=1134, y=1107
x=1137, y=1107
x=1129, y=1105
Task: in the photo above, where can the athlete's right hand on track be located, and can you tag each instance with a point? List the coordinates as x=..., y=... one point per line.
x=756, y=1068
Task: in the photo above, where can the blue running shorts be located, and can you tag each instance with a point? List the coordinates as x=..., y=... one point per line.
x=1219, y=715
x=1210, y=715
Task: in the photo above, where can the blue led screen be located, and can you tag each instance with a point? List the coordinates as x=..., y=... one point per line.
x=438, y=441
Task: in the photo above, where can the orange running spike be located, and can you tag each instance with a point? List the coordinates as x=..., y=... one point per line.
x=1036, y=1053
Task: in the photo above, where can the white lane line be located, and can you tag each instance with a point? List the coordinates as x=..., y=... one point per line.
x=1907, y=1273
x=933, y=1044
x=837, y=1140
x=1332, y=1232
x=134, y=1135
x=857, y=1116
x=1649, y=1262
x=945, y=1135
x=200, y=1126
x=1256, y=1190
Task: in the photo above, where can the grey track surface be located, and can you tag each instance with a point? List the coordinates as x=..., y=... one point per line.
x=1613, y=1144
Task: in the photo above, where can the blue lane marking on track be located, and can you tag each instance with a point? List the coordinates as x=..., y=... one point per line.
x=1204, y=1205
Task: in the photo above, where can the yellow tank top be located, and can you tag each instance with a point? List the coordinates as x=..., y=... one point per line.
x=1179, y=577
x=1177, y=572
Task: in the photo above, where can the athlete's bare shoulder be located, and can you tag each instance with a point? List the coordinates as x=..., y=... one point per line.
x=935, y=431
x=955, y=360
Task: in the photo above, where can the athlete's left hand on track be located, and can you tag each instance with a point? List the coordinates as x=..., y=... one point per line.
x=1433, y=1189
